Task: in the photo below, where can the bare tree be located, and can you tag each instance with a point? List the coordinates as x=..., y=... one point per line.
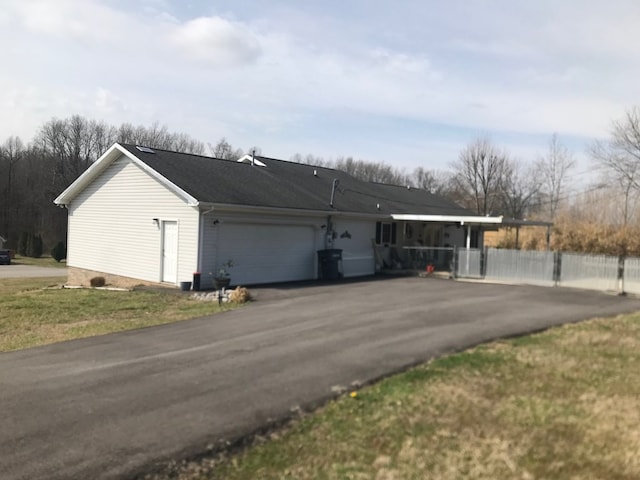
x=224, y=150
x=480, y=174
x=433, y=181
x=364, y=170
x=520, y=187
x=554, y=168
x=619, y=158
x=11, y=152
x=159, y=137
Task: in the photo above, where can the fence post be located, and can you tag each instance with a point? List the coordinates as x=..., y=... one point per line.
x=454, y=262
x=621, y=259
x=483, y=262
x=557, y=268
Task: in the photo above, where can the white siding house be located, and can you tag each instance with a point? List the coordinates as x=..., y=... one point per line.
x=122, y=224
x=146, y=215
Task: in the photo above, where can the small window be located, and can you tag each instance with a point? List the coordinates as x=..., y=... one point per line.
x=386, y=233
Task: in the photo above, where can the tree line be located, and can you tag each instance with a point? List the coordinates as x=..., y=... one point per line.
x=485, y=178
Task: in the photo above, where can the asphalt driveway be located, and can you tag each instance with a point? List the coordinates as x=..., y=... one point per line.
x=117, y=405
x=30, y=271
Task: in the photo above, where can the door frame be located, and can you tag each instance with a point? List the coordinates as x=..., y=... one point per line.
x=163, y=224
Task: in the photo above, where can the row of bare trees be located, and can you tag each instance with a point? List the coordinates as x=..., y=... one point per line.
x=485, y=178
x=33, y=174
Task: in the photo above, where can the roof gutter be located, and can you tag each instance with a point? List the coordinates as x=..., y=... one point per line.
x=461, y=219
x=227, y=207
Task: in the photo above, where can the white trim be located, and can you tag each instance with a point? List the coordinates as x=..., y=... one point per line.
x=461, y=219
x=100, y=165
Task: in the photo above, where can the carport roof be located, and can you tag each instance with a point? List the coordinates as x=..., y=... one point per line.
x=278, y=184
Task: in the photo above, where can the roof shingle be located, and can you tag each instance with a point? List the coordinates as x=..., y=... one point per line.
x=283, y=184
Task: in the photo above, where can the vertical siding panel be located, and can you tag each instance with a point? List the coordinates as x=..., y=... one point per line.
x=111, y=226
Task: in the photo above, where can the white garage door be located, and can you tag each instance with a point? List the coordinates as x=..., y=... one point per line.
x=267, y=253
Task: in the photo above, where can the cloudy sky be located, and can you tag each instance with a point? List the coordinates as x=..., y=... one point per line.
x=408, y=82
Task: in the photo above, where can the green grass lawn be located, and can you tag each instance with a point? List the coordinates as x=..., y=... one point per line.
x=564, y=404
x=31, y=315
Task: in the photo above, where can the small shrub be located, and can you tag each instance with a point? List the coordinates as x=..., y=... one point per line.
x=97, y=282
x=239, y=295
x=59, y=252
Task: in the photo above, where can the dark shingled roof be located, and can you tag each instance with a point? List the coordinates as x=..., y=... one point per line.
x=283, y=184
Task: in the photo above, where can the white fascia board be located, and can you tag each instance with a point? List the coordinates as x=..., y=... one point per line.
x=112, y=154
x=462, y=219
x=88, y=175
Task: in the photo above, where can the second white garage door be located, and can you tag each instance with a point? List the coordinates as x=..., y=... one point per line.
x=267, y=253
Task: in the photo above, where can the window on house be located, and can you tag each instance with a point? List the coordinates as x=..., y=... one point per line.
x=386, y=233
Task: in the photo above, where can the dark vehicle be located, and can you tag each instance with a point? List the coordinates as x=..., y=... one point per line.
x=5, y=257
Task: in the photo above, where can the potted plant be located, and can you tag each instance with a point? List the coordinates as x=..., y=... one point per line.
x=222, y=277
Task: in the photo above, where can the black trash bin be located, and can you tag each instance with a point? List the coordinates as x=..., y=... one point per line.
x=196, y=281
x=330, y=263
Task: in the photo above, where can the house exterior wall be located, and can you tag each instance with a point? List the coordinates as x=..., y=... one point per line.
x=456, y=236
x=111, y=226
x=355, y=239
x=358, y=257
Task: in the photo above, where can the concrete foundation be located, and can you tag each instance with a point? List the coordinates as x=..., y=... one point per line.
x=82, y=277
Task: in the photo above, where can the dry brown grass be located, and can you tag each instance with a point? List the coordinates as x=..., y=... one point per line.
x=571, y=235
x=239, y=295
x=564, y=404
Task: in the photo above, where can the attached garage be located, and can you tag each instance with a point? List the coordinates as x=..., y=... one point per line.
x=267, y=253
x=146, y=215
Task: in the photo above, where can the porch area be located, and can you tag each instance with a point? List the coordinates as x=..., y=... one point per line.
x=412, y=244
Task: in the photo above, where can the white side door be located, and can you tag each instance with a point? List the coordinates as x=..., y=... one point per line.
x=170, y=252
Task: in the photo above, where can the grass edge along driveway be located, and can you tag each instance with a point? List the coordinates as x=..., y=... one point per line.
x=560, y=404
x=33, y=312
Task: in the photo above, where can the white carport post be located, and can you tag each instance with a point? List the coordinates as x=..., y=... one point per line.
x=468, y=244
x=468, y=236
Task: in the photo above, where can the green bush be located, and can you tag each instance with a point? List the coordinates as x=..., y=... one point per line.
x=59, y=252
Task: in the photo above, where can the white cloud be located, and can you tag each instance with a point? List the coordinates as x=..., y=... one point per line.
x=490, y=66
x=76, y=19
x=217, y=40
x=107, y=102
